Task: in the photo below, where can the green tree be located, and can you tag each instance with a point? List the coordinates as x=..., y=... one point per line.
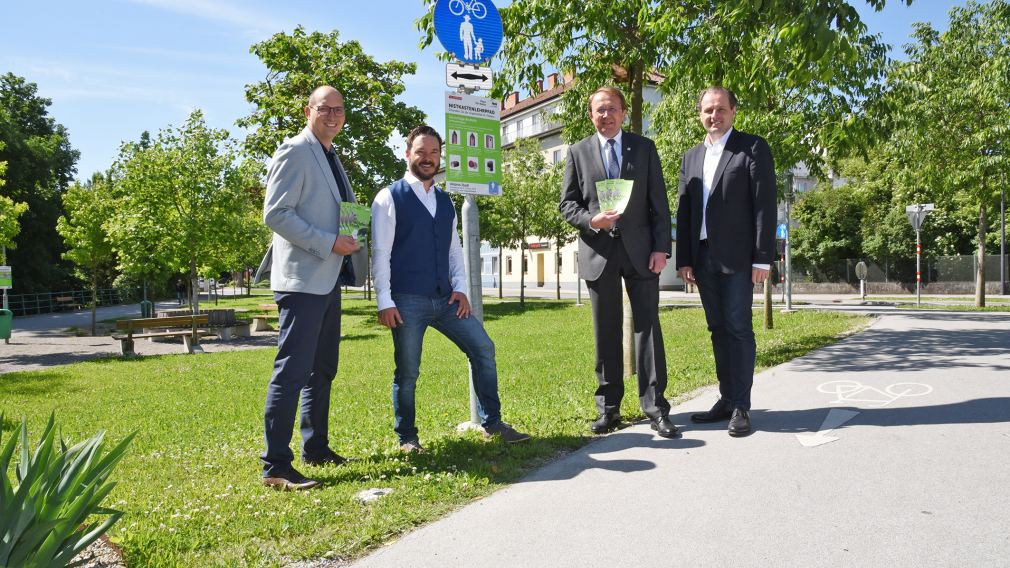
x=183, y=205
x=89, y=207
x=829, y=233
x=951, y=120
x=39, y=167
x=300, y=62
x=548, y=223
x=529, y=189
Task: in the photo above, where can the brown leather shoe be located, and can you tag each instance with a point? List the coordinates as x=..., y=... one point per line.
x=290, y=480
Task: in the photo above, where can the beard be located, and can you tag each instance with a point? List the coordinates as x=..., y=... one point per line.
x=415, y=168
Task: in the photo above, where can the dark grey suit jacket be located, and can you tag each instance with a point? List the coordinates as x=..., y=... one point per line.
x=741, y=209
x=645, y=223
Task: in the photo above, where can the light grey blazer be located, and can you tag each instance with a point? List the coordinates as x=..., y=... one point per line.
x=302, y=207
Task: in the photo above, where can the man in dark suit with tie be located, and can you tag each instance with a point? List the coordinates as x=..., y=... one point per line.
x=633, y=245
x=726, y=243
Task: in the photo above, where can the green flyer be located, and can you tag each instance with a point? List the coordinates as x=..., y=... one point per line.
x=613, y=194
x=472, y=144
x=354, y=220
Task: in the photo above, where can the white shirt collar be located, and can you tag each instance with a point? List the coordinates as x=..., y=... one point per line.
x=721, y=142
x=416, y=184
x=603, y=139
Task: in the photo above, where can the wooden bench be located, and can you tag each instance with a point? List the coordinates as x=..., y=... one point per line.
x=67, y=302
x=260, y=323
x=140, y=328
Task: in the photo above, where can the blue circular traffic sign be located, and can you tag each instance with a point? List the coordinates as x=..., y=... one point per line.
x=470, y=29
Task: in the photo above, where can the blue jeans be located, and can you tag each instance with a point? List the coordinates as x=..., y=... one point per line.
x=418, y=313
x=728, y=299
x=308, y=349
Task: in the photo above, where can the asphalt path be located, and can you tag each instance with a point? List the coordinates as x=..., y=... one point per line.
x=890, y=448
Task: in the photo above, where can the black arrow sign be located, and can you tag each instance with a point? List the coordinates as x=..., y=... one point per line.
x=471, y=76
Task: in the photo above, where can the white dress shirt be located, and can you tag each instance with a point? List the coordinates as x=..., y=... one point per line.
x=384, y=230
x=713, y=152
x=605, y=152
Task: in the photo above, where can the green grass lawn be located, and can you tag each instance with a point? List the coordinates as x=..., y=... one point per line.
x=190, y=482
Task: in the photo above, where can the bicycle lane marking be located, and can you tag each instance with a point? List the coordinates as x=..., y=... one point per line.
x=854, y=391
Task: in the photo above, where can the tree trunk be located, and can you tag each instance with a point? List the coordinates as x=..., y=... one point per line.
x=94, y=304
x=769, y=322
x=636, y=81
x=195, y=287
x=980, y=273
x=557, y=267
x=522, y=278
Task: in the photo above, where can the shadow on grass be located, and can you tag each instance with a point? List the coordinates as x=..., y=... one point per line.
x=34, y=384
x=513, y=308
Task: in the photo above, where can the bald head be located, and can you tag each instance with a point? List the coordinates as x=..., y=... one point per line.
x=320, y=93
x=325, y=113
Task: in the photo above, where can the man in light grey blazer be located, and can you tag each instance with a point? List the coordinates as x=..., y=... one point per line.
x=632, y=245
x=306, y=184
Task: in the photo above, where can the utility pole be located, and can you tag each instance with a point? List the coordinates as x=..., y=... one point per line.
x=916, y=215
x=1002, y=240
x=788, y=248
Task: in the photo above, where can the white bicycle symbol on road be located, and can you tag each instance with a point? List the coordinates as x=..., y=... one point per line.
x=855, y=391
x=457, y=7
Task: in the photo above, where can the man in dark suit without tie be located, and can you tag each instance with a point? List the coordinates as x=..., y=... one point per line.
x=726, y=243
x=633, y=245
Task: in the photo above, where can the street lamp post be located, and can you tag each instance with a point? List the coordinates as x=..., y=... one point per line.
x=1002, y=240
x=788, y=247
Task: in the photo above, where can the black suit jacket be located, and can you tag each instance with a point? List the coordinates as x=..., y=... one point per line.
x=741, y=209
x=645, y=223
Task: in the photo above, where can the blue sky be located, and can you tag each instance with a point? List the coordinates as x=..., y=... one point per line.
x=114, y=68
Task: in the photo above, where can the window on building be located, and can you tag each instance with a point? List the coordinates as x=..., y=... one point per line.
x=558, y=157
x=508, y=265
x=536, y=123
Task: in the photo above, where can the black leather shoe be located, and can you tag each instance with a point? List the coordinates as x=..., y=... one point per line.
x=332, y=458
x=290, y=480
x=664, y=427
x=739, y=424
x=720, y=411
x=605, y=423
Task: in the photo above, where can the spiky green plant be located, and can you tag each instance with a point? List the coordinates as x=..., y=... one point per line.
x=44, y=511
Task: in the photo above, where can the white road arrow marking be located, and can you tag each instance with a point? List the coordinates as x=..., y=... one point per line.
x=836, y=417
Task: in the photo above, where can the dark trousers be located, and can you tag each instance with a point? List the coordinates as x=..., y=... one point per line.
x=306, y=363
x=728, y=299
x=608, y=310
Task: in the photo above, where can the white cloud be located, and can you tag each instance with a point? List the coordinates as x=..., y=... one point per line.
x=216, y=10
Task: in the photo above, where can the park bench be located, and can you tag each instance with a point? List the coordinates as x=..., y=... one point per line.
x=260, y=323
x=67, y=302
x=170, y=326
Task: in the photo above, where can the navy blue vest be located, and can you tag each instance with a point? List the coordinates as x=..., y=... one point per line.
x=420, y=257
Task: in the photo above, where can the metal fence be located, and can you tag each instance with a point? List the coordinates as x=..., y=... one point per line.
x=67, y=300
x=958, y=268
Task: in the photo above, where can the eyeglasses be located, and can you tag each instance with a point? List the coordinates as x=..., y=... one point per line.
x=324, y=110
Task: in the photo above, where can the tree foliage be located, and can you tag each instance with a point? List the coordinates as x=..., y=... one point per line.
x=300, y=62
x=951, y=121
x=39, y=167
x=529, y=196
x=183, y=203
x=89, y=208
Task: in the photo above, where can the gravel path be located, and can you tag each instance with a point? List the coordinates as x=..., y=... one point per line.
x=40, y=342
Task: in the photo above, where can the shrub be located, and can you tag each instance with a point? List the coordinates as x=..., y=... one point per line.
x=44, y=513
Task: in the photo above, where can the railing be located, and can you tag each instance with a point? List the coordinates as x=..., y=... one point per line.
x=510, y=137
x=48, y=302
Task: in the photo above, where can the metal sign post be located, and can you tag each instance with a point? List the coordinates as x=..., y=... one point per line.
x=861, y=275
x=472, y=31
x=916, y=215
x=788, y=252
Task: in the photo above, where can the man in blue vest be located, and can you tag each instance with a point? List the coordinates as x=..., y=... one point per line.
x=417, y=265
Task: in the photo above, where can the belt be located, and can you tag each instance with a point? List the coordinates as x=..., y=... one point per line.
x=615, y=233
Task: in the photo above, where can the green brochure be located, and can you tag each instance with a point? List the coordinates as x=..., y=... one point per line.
x=614, y=194
x=354, y=220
